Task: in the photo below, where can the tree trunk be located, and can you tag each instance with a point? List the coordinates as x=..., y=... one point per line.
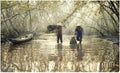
x=30, y=27
x=15, y=29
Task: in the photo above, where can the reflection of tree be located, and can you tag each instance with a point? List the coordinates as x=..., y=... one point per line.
x=8, y=65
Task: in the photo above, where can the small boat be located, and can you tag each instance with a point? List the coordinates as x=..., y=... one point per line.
x=22, y=39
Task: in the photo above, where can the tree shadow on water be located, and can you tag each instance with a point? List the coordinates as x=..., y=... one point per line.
x=12, y=48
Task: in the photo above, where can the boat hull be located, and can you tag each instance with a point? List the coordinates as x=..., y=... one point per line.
x=22, y=39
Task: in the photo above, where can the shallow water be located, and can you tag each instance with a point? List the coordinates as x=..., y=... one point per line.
x=45, y=55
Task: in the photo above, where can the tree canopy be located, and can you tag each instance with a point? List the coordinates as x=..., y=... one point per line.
x=96, y=17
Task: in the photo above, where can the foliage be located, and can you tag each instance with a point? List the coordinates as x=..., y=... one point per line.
x=34, y=16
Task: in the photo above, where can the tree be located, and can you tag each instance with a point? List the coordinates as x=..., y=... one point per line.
x=112, y=9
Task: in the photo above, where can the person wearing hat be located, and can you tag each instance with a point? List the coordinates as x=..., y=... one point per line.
x=59, y=32
x=78, y=33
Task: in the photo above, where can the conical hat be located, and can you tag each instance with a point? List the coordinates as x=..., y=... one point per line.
x=60, y=24
x=78, y=25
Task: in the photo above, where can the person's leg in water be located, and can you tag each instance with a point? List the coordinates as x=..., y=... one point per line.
x=61, y=38
x=57, y=38
x=80, y=40
x=77, y=38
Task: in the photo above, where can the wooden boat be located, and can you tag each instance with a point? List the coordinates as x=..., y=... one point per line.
x=22, y=39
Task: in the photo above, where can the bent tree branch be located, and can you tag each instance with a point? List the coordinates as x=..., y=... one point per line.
x=97, y=30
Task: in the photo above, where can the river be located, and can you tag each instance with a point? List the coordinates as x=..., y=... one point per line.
x=45, y=55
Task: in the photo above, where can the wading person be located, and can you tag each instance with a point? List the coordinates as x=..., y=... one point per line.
x=59, y=32
x=78, y=33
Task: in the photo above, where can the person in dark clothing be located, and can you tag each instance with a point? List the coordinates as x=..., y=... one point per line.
x=78, y=33
x=59, y=33
x=73, y=41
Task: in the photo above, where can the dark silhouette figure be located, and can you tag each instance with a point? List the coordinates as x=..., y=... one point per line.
x=59, y=33
x=73, y=41
x=78, y=33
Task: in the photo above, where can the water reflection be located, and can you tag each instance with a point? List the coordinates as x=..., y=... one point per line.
x=12, y=47
x=51, y=66
x=42, y=55
x=79, y=52
x=73, y=46
x=59, y=48
x=8, y=64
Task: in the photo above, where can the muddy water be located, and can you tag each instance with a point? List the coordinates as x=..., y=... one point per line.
x=45, y=55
